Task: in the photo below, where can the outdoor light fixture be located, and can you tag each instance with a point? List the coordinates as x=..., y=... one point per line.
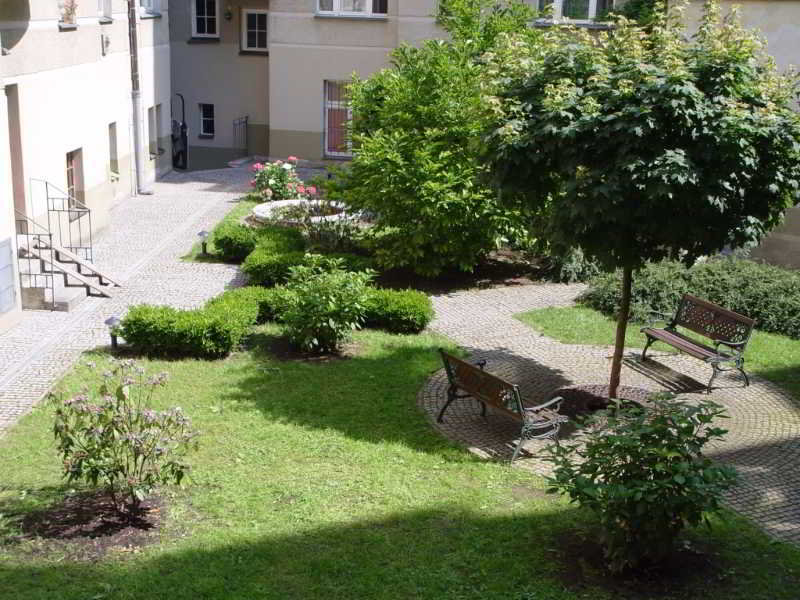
x=228, y=13
x=113, y=322
x=203, y=235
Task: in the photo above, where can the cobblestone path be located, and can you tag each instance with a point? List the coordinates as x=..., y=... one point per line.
x=763, y=442
x=141, y=249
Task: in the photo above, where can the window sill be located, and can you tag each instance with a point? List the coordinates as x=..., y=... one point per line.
x=203, y=40
x=67, y=26
x=205, y=136
x=351, y=17
x=253, y=52
x=584, y=23
x=105, y=20
x=145, y=15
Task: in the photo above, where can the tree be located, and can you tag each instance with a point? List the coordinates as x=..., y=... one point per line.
x=637, y=146
x=416, y=166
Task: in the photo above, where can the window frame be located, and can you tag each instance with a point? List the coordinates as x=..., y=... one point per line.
x=334, y=104
x=558, y=10
x=203, y=133
x=253, y=11
x=104, y=10
x=150, y=7
x=214, y=36
x=337, y=11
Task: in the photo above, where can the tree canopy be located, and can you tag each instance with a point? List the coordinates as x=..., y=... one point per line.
x=641, y=145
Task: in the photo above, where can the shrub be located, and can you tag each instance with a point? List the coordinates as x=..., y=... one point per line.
x=271, y=302
x=209, y=332
x=234, y=241
x=267, y=267
x=325, y=305
x=398, y=311
x=572, y=267
x=763, y=292
x=643, y=473
x=279, y=181
x=112, y=436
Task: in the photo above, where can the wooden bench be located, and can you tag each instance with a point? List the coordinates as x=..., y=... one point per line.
x=725, y=328
x=471, y=381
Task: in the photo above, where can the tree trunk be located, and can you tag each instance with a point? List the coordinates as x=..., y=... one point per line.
x=622, y=325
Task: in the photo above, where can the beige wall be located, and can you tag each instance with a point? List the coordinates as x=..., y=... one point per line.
x=70, y=91
x=217, y=71
x=307, y=49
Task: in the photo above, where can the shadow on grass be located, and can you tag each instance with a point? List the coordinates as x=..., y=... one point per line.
x=440, y=553
x=370, y=396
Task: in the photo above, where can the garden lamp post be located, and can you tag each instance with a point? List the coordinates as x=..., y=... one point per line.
x=112, y=323
x=203, y=235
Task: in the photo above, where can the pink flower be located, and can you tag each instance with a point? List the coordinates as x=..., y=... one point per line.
x=268, y=193
x=279, y=162
x=257, y=167
x=301, y=189
x=311, y=190
x=252, y=183
x=292, y=159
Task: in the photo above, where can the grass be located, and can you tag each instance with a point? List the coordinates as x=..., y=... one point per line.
x=771, y=356
x=243, y=207
x=324, y=480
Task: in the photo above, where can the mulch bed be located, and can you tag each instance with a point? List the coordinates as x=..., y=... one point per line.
x=86, y=526
x=584, y=399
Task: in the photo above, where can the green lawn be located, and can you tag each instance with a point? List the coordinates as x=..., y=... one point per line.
x=324, y=480
x=243, y=207
x=773, y=357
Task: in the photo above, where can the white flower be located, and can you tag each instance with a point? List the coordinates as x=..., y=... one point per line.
x=272, y=182
x=287, y=166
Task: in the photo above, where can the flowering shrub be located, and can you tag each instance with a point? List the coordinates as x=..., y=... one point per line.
x=111, y=435
x=279, y=181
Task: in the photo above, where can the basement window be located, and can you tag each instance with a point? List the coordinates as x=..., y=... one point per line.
x=207, y=121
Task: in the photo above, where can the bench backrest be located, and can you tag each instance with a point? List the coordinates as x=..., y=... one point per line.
x=483, y=386
x=712, y=321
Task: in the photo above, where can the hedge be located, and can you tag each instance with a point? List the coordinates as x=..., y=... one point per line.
x=267, y=265
x=398, y=311
x=769, y=294
x=270, y=301
x=234, y=241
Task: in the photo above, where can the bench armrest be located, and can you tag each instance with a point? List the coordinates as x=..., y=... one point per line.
x=737, y=347
x=556, y=400
x=656, y=317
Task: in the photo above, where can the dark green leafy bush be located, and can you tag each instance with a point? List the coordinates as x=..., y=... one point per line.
x=271, y=302
x=763, y=292
x=642, y=472
x=572, y=266
x=233, y=241
x=326, y=303
x=129, y=456
x=398, y=311
x=267, y=267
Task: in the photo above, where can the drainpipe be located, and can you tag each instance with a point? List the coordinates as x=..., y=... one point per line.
x=136, y=101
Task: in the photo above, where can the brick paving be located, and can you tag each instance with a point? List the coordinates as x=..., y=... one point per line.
x=141, y=249
x=763, y=442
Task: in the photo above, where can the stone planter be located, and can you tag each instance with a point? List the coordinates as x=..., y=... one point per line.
x=269, y=212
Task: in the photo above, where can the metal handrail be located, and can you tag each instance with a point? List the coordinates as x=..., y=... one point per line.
x=33, y=279
x=70, y=205
x=66, y=195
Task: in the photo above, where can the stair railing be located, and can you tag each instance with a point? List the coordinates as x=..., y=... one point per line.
x=68, y=219
x=32, y=273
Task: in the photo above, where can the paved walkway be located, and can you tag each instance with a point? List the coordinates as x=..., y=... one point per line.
x=141, y=249
x=764, y=426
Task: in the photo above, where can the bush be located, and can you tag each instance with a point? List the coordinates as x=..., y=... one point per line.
x=234, y=241
x=763, y=292
x=279, y=181
x=209, y=332
x=572, y=267
x=326, y=303
x=129, y=455
x=398, y=311
x=643, y=473
x=271, y=302
x=267, y=266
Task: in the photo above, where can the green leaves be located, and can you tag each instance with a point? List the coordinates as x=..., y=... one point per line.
x=641, y=470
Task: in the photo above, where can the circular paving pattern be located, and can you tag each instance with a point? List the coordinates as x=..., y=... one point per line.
x=763, y=442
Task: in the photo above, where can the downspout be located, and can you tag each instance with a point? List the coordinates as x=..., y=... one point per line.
x=136, y=101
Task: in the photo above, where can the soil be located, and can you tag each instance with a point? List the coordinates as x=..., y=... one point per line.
x=86, y=526
x=677, y=576
x=583, y=399
x=280, y=348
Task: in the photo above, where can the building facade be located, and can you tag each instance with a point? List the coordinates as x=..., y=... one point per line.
x=66, y=116
x=281, y=65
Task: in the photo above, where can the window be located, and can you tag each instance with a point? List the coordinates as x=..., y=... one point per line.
x=205, y=18
x=576, y=10
x=104, y=9
x=352, y=7
x=254, y=30
x=113, y=157
x=337, y=114
x=151, y=7
x=207, y=120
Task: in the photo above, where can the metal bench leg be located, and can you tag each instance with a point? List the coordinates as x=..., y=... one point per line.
x=713, y=376
x=746, y=378
x=650, y=340
x=483, y=409
x=519, y=444
x=451, y=395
